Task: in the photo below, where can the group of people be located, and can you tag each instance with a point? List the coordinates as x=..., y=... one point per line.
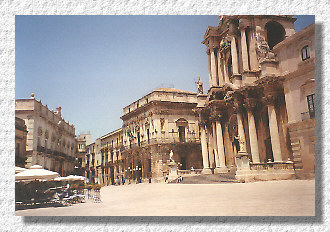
x=178, y=180
x=119, y=180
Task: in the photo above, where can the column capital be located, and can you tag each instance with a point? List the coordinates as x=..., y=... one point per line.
x=243, y=23
x=237, y=105
x=217, y=116
x=250, y=103
x=203, y=123
x=208, y=51
x=269, y=99
x=232, y=29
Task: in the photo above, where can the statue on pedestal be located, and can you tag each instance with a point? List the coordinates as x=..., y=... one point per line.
x=199, y=85
x=171, y=156
x=241, y=144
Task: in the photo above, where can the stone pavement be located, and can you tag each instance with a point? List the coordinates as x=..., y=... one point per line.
x=272, y=198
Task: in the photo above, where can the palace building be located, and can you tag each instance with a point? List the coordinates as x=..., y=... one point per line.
x=50, y=140
x=257, y=117
x=157, y=123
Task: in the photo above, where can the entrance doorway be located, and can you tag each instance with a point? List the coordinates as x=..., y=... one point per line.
x=183, y=163
x=182, y=134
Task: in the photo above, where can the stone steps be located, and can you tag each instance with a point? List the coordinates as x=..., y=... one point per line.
x=209, y=179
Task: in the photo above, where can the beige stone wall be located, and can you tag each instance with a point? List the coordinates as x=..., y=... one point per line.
x=48, y=130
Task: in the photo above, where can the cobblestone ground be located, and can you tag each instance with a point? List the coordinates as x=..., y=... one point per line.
x=277, y=198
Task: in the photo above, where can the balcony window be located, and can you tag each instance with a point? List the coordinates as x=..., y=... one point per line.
x=311, y=108
x=305, y=54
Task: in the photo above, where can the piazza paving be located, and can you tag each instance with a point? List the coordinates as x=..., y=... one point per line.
x=271, y=198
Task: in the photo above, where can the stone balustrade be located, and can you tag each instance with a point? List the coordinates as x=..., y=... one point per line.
x=271, y=165
x=189, y=172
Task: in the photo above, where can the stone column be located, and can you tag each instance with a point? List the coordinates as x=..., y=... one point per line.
x=221, y=149
x=211, y=153
x=215, y=147
x=220, y=74
x=228, y=146
x=206, y=164
x=245, y=56
x=213, y=67
x=209, y=67
x=234, y=55
x=240, y=127
x=253, y=133
x=273, y=129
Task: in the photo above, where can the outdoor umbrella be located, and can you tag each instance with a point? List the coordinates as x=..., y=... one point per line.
x=19, y=169
x=61, y=178
x=36, y=172
x=74, y=177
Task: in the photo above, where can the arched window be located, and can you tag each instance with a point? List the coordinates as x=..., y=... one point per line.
x=305, y=54
x=275, y=33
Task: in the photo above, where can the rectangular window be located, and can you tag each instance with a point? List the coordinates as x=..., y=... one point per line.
x=305, y=54
x=311, y=108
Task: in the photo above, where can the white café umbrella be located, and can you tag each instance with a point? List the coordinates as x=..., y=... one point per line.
x=36, y=172
x=60, y=178
x=74, y=177
x=19, y=169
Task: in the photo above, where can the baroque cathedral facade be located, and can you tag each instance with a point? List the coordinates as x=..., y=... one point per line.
x=257, y=117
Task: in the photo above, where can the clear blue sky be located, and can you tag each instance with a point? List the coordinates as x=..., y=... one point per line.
x=93, y=66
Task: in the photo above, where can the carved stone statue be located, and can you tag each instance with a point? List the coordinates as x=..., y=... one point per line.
x=228, y=95
x=199, y=85
x=263, y=50
x=171, y=156
x=241, y=144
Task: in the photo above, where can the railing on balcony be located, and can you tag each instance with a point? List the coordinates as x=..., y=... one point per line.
x=160, y=140
x=307, y=115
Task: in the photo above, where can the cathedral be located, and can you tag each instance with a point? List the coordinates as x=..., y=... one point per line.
x=258, y=118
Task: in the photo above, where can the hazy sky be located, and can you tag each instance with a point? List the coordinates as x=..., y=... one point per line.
x=93, y=66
